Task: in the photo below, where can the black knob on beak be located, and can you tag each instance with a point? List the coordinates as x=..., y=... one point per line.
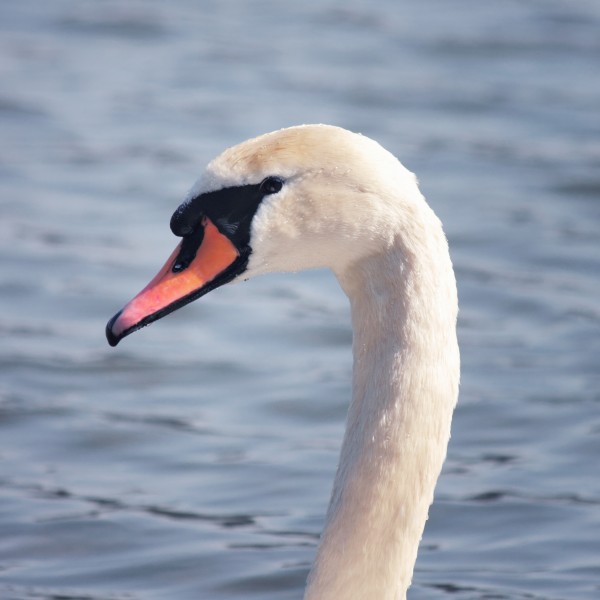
x=186, y=218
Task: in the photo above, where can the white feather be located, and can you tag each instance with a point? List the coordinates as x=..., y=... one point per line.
x=349, y=205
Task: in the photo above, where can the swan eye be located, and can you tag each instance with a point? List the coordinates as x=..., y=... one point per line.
x=271, y=185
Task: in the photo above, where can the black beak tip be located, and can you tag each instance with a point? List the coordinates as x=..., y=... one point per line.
x=112, y=339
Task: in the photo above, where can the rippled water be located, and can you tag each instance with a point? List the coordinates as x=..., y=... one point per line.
x=195, y=461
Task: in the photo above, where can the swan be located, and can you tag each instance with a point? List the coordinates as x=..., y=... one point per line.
x=321, y=196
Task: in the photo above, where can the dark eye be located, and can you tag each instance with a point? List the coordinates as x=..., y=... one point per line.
x=271, y=185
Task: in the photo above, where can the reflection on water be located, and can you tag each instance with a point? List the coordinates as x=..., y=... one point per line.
x=195, y=461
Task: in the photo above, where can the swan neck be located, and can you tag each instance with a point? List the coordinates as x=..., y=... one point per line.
x=405, y=385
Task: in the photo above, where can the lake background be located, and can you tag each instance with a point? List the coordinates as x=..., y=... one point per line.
x=196, y=459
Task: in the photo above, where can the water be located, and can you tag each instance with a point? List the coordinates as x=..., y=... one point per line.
x=195, y=461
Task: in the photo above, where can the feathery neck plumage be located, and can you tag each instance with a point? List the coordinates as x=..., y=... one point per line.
x=405, y=385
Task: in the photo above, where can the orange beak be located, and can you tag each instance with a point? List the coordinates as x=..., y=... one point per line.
x=216, y=262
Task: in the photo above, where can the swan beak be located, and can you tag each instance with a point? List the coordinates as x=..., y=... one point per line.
x=188, y=274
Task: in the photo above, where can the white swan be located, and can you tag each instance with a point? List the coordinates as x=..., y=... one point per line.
x=320, y=196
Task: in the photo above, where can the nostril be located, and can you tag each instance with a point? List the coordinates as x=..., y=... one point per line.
x=188, y=250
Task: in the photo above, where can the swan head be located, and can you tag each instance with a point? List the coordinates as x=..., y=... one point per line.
x=304, y=197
